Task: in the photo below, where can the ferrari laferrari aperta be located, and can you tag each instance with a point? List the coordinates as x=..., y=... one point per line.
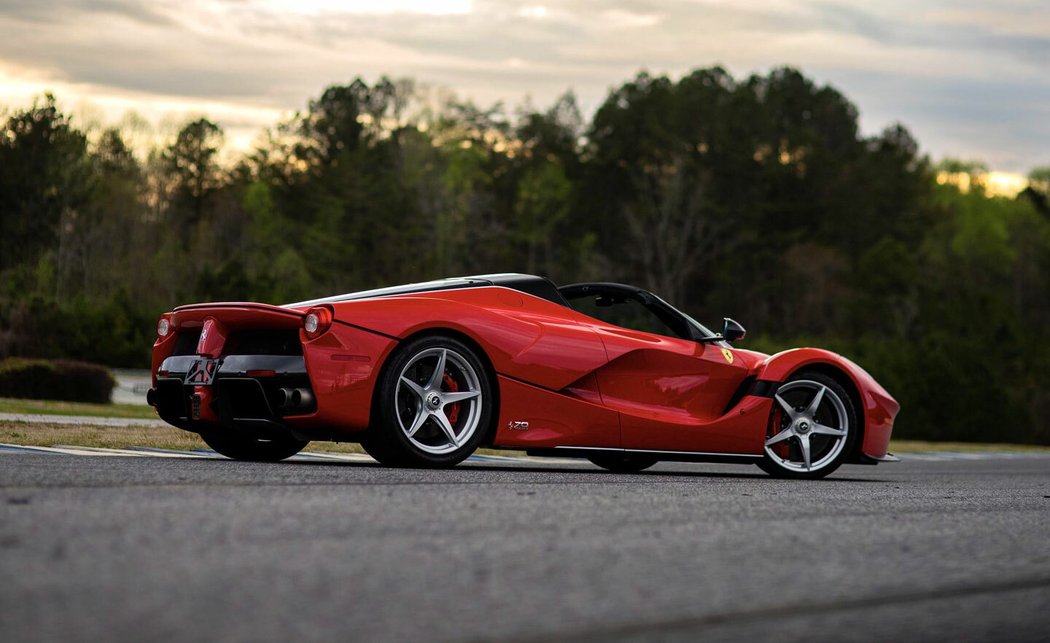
x=422, y=375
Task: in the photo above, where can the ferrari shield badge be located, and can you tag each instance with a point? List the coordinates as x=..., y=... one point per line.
x=728, y=354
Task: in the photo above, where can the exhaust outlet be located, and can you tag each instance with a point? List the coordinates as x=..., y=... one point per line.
x=290, y=399
x=302, y=397
x=285, y=398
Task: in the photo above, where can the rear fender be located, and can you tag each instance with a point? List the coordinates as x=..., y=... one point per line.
x=523, y=336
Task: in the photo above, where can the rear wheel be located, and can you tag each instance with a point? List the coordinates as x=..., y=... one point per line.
x=434, y=405
x=811, y=428
x=622, y=462
x=240, y=447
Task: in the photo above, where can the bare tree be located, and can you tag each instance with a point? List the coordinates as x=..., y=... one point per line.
x=671, y=228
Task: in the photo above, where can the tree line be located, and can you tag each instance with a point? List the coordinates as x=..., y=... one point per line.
x=756, y=198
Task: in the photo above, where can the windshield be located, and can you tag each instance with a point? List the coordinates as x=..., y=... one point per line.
x=705, y=332
x=634, y=308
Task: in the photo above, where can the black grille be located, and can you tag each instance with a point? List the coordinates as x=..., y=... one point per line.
x=171, y=400
x=186, y=342
x=741, y=391
x=264, y=342
x=242, y=398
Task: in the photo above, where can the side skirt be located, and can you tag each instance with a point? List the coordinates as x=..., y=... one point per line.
x=668, y=456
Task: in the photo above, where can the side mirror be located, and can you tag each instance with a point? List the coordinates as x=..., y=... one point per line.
x=731, y=330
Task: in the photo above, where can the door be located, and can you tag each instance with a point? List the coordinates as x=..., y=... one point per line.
x=669, y=388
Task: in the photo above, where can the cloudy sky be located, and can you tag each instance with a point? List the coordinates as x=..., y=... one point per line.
x=970, y=78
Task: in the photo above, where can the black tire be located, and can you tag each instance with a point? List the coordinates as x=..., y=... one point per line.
x=239, y=447
x=407, y=430
x=623, y=462
x=785, y=458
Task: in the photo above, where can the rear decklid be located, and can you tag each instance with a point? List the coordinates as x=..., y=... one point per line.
x=213, y=323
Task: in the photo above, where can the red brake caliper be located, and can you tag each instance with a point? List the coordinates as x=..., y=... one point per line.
x=776, y=421
x=452, y=410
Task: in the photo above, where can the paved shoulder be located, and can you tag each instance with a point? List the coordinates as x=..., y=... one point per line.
x=134, y=548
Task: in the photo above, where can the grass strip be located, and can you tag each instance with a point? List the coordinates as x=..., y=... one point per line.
x=116, y=437
x=52, y=407
x=920, y=446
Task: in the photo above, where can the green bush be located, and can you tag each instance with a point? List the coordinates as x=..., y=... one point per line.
x=116, y=332
x=55, y=380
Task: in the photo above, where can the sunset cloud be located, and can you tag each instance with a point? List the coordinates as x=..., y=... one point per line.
x=968, y=78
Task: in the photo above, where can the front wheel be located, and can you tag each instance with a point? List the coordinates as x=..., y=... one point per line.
x=811, y=429
x=240, y=447
x=434, y=405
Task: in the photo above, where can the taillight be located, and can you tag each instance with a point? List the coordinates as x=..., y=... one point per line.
x=165, y=325
x=318, y=319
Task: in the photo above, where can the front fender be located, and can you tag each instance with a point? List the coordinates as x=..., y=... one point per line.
x=878, y=408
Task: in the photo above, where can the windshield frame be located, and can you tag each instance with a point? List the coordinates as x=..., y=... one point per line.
x=660, y=308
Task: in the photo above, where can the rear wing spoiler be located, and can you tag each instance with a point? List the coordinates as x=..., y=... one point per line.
x=237, y=315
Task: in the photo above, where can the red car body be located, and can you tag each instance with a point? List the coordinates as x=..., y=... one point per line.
x=566, y=383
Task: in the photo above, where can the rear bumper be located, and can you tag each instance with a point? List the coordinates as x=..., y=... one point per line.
x=249, y=393
x=337, y=370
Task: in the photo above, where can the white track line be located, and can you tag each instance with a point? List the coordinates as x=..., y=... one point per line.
x=143, y=452
x=69, y=450
x=314, y=456
x=305, y=456
x=933, y=456
x=80, y=419
x=358, y=457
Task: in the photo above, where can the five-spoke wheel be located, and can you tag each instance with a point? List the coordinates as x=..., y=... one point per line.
x=810, y=429
x=434, y=405
x=439, y=400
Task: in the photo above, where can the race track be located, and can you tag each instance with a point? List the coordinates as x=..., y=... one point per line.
x=205, y=549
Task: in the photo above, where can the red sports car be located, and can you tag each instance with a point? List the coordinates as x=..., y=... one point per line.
x=422, y=375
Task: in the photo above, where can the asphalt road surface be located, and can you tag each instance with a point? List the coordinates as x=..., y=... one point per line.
x=155, y=549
